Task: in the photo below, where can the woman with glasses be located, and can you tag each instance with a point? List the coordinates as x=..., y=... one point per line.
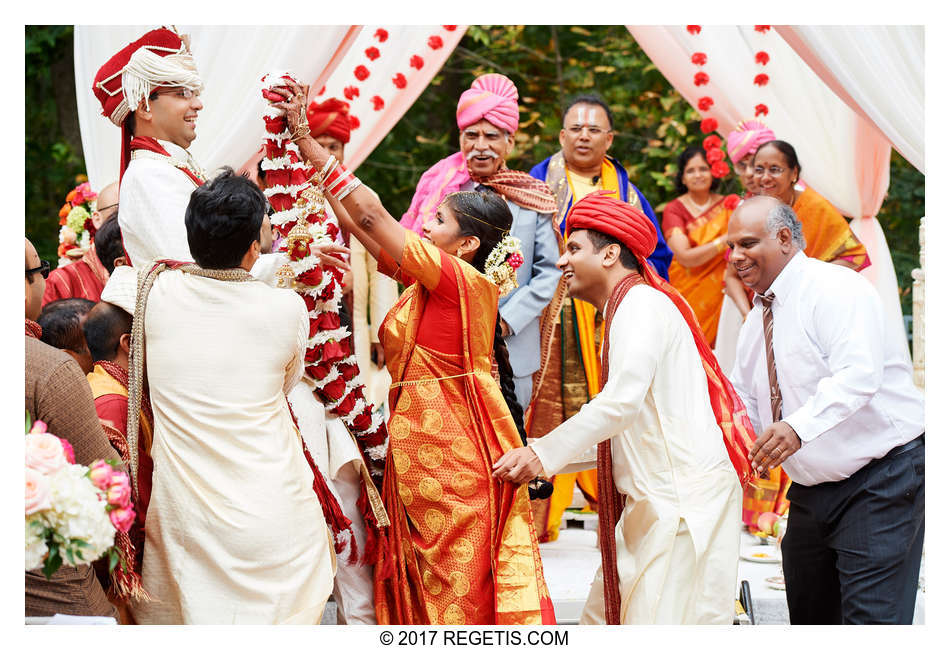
x=828, y=237
x=694, y=225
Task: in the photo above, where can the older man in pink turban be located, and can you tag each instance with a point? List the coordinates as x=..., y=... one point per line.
x=741, y=145
x=487, y=117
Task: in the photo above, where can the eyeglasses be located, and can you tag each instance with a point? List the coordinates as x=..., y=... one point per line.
x=771, y=171
x=594, y=131
x=107, y=207
x=184, y=93
x=743, y=167
x=42, y=269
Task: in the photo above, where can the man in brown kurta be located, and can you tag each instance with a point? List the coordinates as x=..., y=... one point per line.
x=57, y=393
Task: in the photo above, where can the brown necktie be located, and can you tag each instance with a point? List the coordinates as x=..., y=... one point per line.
x=775, y=391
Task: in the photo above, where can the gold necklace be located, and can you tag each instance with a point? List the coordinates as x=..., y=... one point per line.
x=699, y=208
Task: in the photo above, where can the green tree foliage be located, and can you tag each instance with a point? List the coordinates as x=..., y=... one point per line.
x=54, y=160
x=549, y=64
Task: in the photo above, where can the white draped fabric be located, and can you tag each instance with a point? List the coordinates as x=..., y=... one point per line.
x=878, y=70
x=231, y=61
x=395, y=47
x=843, y=156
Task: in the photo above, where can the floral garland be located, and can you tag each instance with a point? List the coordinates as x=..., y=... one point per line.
x=75, y=220
x=301, y=219
x=503, y=263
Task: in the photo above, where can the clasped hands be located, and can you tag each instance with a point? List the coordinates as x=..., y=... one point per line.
x=777, y=442
x=517, y=466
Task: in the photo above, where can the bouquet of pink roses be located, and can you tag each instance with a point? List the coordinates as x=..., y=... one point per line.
x=72, y=511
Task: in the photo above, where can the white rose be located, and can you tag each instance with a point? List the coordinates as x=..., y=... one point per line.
x=44, y=452
x=35, y=546
x=77, y=512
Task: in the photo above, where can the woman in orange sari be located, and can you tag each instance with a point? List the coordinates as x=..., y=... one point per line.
x=462, y=545
x=694, y=225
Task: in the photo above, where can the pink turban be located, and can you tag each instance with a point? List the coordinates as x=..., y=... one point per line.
x=492, y=97
x=746, y=139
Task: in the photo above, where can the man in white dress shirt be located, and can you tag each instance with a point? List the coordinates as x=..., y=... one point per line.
x=833, y=401
x=670, y=501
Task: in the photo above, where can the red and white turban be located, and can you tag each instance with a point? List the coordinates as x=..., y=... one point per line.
x=746, y=138
x=331, y=117
x=492, y=97
x=601, y=212
x=160, y=58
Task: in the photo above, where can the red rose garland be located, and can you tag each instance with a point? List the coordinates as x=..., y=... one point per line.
x=329, y=361
x=761, y=80
x=714, y=155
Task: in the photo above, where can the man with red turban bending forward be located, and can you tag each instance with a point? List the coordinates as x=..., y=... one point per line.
x=667, y=424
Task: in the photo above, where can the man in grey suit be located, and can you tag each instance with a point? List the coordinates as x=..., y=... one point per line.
x=487, y=118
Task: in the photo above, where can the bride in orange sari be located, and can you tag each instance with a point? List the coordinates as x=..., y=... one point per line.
x=694, y=225
x=463, y=548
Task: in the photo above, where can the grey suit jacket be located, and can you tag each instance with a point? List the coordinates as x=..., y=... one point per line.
x=537, y=281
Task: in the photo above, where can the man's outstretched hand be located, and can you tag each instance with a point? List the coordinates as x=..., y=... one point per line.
x=517, y=466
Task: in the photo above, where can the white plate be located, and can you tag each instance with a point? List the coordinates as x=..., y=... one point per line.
x=765, y=554
x=775, y=582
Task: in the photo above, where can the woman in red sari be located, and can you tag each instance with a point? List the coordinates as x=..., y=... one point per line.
x=694, y=225
x=463, y=545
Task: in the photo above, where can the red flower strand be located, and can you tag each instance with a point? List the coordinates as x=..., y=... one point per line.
x=719, y=169
x=351, y=92
x=700, y=79
x=761, y=109
x=435, y=42
x=708, y=125
x=762, y=57
x=762, y=28
x=449, y=28
x=761, y=79
x=400, y=80
x=372, y=53
x=381, y=35
x=705, y=103
x=416, y=62
x=693, y=29
x=699, y=58
x=361, y=72
x=378, y=102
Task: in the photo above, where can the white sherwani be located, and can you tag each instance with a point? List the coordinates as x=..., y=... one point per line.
x=678, y=536
x=235, y=534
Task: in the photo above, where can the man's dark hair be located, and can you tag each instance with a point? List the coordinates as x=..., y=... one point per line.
x=222, y=219
x=103, y=328
x=627, y=258
x=109, y=242
x=597, y=100
x=60, y=322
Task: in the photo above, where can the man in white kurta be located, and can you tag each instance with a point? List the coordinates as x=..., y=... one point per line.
x=237, y=534
x=677, y=540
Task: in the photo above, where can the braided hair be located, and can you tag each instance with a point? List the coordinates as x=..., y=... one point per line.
x=491, y=222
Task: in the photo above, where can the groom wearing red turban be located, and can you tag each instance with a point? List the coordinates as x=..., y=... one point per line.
x=672, y=435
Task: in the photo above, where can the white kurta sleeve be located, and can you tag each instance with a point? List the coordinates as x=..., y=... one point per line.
x=293, y=371
x=638, y=338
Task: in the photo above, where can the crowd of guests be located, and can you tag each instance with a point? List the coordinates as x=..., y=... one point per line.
x=613, y=334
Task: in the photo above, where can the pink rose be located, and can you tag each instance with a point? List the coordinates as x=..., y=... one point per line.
x=44, y=452
x=37, y=491
x=122, y=518
x=100, y=473
x=39, y=427
x=68, y=451
x=119, y=491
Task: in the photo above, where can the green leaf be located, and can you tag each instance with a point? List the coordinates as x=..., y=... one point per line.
x=113, y=559
x=52, y=563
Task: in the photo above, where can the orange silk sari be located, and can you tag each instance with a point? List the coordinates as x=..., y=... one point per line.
x=828, y=236
x=463, y=544
x=701, y=285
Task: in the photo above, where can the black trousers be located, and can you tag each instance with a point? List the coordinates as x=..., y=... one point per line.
x=851, y=552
